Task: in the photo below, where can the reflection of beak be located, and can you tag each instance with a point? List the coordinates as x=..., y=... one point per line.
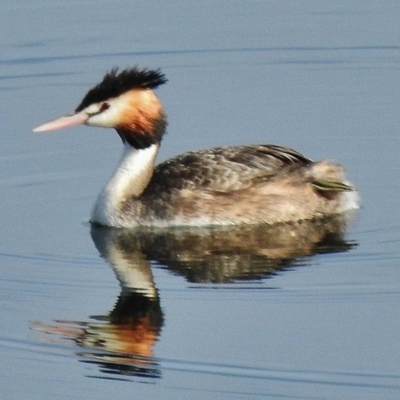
x=63, y=122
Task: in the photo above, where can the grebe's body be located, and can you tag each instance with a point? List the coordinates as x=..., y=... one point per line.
x=220, y=186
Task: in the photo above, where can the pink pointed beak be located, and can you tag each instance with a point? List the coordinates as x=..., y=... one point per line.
x=63, y=122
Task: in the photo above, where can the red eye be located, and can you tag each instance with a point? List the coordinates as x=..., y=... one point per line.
x=104, y=107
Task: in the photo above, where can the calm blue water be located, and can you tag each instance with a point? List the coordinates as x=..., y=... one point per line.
x=105, y=314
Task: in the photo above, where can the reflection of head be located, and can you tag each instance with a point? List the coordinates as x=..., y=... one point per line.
x=121, y=342
x=132, y=327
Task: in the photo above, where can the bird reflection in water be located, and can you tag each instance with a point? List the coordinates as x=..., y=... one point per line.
x=122, y=342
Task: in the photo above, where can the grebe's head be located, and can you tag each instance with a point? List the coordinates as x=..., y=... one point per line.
x=124, y=101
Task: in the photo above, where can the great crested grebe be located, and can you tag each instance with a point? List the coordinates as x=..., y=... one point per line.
x=220, y=186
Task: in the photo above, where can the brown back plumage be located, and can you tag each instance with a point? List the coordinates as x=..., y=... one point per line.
x=224, y=169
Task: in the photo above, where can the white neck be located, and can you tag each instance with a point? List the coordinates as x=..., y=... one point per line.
x=128, y=181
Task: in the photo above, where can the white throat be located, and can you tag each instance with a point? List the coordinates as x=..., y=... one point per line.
x=128, y=181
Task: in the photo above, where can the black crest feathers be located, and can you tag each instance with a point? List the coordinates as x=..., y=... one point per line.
x=115, y=83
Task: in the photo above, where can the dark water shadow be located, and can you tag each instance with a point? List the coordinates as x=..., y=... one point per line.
x=121, y=342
